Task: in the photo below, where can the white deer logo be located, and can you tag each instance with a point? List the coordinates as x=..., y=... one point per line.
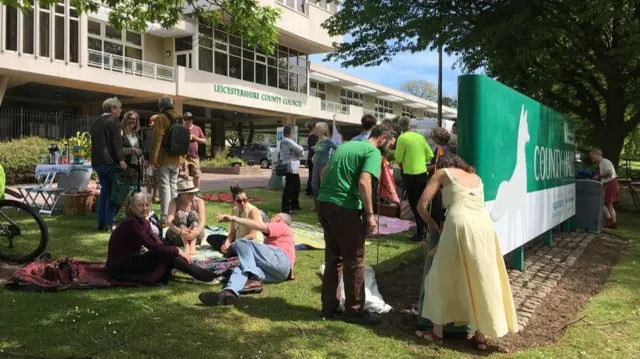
x=511, y=198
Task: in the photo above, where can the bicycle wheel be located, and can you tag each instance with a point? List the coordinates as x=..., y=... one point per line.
x=23, y=232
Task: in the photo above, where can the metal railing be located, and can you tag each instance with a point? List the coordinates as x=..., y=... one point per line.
x=18, y=122
x=130, y=66
x=334, y=107
x=379, y=115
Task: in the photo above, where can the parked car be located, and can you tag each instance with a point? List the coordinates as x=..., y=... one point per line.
x=303, y=158
x=256, y=153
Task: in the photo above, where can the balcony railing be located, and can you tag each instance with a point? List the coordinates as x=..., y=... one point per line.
x=130, y=66
x=334, y=107
x=379, y=115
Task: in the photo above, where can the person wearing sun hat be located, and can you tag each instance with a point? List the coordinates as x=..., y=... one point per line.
x=186, y=218
x=271, y=261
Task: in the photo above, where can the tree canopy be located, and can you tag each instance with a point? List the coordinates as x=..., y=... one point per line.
x=420, y=88
x=580, y=57
x=248, y=18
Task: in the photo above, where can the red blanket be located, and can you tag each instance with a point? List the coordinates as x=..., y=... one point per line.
x=225, y=197
x=56, y=275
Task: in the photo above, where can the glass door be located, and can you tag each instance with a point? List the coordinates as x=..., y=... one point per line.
x=184, y=59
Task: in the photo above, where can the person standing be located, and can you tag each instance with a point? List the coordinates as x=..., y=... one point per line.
x=312, y=140
x=106, y=152
x=468, y=281
x=345, y=211
x=290, y=153
x=132, y=143
x=412, y=154
x=165, y=165
x=607, y=175
x=368, y=122
x=325, y=148
x=147, y=143
x=196, y=138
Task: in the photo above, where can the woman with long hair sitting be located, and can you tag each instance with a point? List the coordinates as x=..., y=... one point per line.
x=468, y=282
x=125, y=262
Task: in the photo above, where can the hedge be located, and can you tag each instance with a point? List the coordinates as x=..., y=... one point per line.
x=20, y=157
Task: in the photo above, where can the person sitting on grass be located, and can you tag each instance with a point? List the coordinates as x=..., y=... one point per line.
x=125, y=262
x=271, y=261
x=243, y=209
x=186, y=218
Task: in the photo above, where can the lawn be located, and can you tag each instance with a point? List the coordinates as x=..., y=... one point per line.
x=283, y=322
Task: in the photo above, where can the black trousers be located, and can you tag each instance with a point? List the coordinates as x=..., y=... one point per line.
x=309, y=164
x=415, y=185
x=291, y=193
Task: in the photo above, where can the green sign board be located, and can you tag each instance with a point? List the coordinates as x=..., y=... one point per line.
x=256, y=95
x=525, y=154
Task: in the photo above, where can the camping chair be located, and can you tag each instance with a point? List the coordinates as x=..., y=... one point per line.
x=45, y=190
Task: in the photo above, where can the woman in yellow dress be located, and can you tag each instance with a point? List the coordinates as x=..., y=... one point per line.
x=468, y=282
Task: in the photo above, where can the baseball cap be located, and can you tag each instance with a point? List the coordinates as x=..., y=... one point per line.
x=187, y=116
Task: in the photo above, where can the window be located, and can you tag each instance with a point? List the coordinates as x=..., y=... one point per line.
x=383, y=106
x=74, y=35
x=11, y=28
x=317, y=89
x=229, y=55
x=409, y=112
x=44, y=31
x=348, y=97
x=28, y=24
x=184, y=43
x=104, y=38
x=59, y=32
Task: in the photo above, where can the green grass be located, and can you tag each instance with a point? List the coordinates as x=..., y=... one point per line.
x=283, y=322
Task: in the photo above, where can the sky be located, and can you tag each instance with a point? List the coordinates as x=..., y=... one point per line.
x=405, y=67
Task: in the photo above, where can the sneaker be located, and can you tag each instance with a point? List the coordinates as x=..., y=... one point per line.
x=215, y=299
x=361, y=318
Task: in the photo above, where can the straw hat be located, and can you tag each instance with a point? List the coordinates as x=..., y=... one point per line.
x=187, y=187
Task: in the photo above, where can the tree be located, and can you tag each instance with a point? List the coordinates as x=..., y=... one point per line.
x=248, y=18
x=420, y=88
x=580, y=57
x=450, y=102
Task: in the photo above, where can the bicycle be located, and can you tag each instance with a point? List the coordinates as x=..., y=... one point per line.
x=21, y=228
x=629, y=192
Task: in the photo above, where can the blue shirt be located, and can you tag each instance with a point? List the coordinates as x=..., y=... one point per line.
x=363, y=136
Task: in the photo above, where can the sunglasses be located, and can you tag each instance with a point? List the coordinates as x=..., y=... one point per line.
x=241, y=200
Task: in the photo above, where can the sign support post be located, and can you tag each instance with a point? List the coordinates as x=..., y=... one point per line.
x=518, y=258
x=548, y=236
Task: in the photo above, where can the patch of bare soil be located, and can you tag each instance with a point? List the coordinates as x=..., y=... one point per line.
x=579, y=283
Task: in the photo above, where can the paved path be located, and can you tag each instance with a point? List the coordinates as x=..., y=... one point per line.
x=211, y=182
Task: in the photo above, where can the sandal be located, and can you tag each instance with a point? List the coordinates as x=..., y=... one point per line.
x=430, y=336
x=480, y=344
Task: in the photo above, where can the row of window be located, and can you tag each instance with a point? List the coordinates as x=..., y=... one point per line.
x=228, y=55
x=105, y=38
x=50, y=21
x=300, y=5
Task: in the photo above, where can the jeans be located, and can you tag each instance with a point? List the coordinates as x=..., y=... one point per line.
x=268, y=264
x=291, y=193
x=167, y=180
x=106, y=212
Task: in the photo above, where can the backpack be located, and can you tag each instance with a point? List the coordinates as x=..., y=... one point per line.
x=147, y=142
x=177, y=138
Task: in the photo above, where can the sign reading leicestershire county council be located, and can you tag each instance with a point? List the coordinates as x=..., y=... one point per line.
x=523, y=151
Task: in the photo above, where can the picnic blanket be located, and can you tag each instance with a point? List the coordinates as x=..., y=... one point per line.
x=389, y=225
x=308, y=236
x=225, y=197
x=53, y=275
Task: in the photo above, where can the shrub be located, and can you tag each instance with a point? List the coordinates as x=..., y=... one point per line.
x=220, y=159
x=19, y=158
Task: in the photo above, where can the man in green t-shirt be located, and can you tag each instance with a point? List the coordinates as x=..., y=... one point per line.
x=345, y=210
x=412, y=154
